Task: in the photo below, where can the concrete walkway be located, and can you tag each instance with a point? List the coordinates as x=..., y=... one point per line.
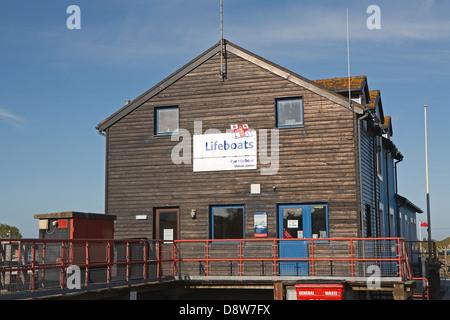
x=445, y=287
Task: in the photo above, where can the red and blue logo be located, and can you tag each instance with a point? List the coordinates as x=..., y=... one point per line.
x=240, y=131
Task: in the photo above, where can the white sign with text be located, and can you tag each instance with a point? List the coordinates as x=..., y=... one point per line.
x=218, y=152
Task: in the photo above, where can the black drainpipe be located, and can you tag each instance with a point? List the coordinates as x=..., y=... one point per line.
x=396, y=193
x=387, y=193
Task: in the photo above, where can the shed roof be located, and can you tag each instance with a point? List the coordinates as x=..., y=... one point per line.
x=375, y=98
x=75, y=214
x=357, y=83
x=375, y=103
x=405, y=201
x=387, y=125
x=251, y=57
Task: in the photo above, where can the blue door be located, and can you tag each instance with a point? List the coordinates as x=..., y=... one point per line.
x=301, y=221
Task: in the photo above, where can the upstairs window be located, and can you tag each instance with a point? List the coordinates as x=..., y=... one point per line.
x=166, y=120
x=380, y=157
x=289, y=112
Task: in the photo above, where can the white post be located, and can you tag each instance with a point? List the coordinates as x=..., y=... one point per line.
x=428, y=187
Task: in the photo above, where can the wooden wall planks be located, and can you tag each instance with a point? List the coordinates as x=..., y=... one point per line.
x=316, y=162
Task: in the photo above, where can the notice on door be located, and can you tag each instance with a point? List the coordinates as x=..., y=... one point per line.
x=292, y=224
x=168, y=235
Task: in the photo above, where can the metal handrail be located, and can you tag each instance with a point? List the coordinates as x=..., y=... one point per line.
x=404, y=269
x=71, y=252
x=81, y=252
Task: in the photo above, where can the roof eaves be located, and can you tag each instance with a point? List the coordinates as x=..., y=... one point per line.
x=409, y=203
x=340, y=84
x=375, y=101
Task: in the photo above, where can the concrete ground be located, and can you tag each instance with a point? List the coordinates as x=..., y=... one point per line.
x=445, y=289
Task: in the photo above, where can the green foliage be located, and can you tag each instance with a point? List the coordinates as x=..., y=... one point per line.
x=7, y=231
x=443, y=243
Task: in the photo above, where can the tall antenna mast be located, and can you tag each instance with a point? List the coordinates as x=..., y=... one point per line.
x=221, y=21
x=357, y=167
x=428, y=188
x=223, y=73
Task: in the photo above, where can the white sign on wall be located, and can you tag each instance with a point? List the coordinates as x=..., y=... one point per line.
x=218, y=152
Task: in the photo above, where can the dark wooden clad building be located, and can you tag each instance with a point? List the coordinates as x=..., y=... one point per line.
x=319, y=182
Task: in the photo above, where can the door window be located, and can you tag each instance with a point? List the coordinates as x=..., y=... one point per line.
x=303, y=221
x=166, y=224
x=292, y=222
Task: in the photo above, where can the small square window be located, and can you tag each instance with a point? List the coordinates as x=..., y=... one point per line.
x=166, y=120
x=289, y=112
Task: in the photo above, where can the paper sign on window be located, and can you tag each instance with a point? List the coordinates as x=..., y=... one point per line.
x=292, y=224
x=168, y=234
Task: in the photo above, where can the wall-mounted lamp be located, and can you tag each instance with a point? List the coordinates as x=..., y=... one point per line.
x=274, y=189
x=193, y=213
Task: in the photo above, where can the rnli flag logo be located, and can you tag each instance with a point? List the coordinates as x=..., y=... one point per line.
x=240, y=131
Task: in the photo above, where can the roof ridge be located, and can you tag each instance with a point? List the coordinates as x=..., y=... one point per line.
x=244, y=54
x=360, y=76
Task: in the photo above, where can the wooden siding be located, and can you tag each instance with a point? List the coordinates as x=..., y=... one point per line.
x=316, y=162
x=369, y=182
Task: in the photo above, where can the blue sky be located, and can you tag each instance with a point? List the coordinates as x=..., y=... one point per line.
x=57, y=84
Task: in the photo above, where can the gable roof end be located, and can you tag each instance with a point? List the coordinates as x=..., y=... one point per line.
x=387, y=125
x=232, y=48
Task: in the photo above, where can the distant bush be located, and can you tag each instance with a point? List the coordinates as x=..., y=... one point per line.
x=7, y=231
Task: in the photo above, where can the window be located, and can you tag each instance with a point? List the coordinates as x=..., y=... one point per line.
x=368, y=221
x=292, y=222
x=303, y=221
x=289, y=112
x=166, y=120
x=227, y=222
x=379, y=158
x=319, y=222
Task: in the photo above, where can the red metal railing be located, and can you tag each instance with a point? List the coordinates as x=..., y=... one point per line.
x=422, y=291
x=32, y=265
x=29, y=265
x=351, y=254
